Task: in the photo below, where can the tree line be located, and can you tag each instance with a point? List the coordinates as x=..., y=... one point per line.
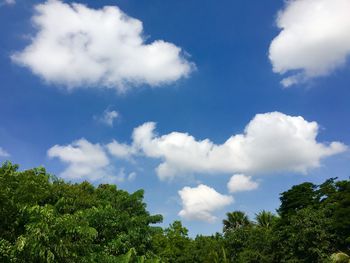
x=45, y=219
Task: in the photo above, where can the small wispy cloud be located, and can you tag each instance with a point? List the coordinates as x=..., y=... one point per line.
x=4, y=153
x=107, y=117
x=7, y=2
x=132, y=176
x=122, y=176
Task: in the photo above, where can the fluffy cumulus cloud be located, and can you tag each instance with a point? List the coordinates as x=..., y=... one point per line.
x=314, y=39
x=84, y=161
x=270, y=142
x=108, y=117
x=240, y=183
x=97, y=48
x=199, y=203
x=3, y=153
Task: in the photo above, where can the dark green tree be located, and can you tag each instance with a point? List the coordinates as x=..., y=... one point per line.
x=44, y=219
x=235, y=220
x=305, y=237
x=298, y=197
x=265, y=219
x=173, y=244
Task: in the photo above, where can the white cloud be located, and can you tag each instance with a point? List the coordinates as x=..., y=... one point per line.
x=122, y=176
x=4, y=153
x=108, y=117
x=132, y=176
x=271, y=142
x=200, y=202
x=85, y=161
x=97, y=48
x=240, y=183
x=314, y=39
x=120, y=150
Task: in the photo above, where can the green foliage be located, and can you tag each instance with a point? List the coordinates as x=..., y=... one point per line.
x=173, y=243
x=298, y=197
x=340, y=258
x=266, y=219
x=132, y=257
x=306, y=237
x=208, y=249
x=337, y=204
x=235, y=220
x=248, y=241
x=332, y=197
x=6, y=251
x=44, y=219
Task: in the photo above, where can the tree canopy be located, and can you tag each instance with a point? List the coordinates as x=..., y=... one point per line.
x=44, y=219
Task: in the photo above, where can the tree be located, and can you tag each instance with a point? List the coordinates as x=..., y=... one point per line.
x=298, y=197
x=235, y=220
x=208, y=249
x=305, y=237
x=173, y=244
x=337, y=203
x=265, y=219
x=44, y=219
x=236, y=233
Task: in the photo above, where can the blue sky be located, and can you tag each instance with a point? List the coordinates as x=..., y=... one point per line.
x=203, y=70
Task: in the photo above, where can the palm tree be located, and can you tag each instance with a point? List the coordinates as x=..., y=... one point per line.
x=235, y=220
x=265, y=219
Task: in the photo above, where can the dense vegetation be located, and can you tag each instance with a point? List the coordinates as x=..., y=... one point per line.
x=44, y=219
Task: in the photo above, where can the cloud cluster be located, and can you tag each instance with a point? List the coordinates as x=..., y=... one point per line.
x=97, y=48
x=240, y=183
x=198, y=203
x=314, y=39
x=3, y=153
x=107, y=48
x=270, y=142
